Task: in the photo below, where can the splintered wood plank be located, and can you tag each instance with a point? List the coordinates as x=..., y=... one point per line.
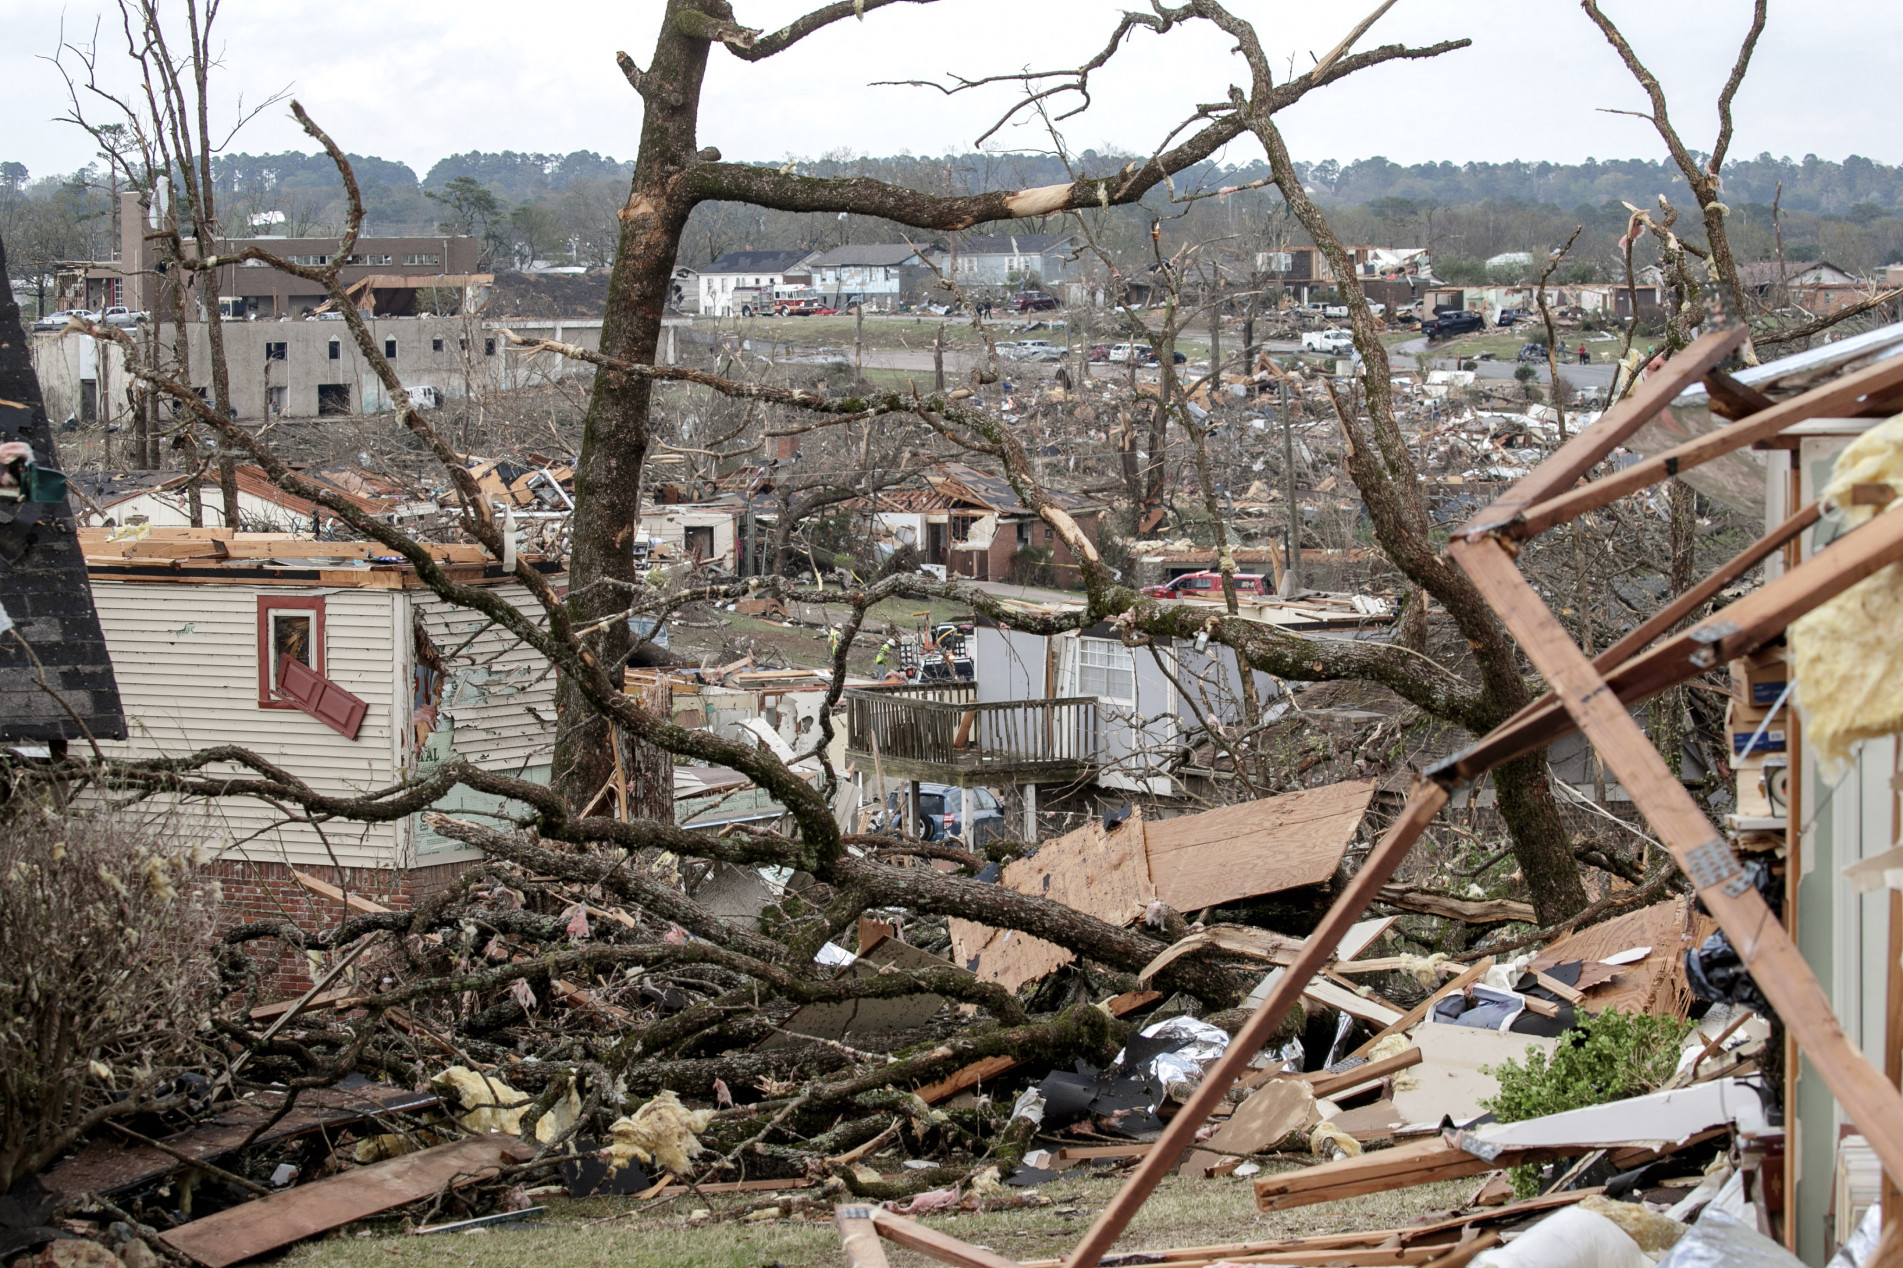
x=241, y=1232
x=1255, y=847
x=1422, y=805
x=1100, y=873
x=1760, y=941
x=1655, y=984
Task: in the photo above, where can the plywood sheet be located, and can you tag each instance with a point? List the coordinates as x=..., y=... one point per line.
x=1655, y=984
x=1255, y=847
x=1448, y=1079
x=1101, y=873
x=1277, y=1108
x=242, y=1232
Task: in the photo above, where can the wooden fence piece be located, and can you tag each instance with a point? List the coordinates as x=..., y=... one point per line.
x=1760, y=941
x=1422, y=805
x=1586, y=450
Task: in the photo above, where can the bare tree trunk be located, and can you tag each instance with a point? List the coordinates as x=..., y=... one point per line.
x=1384, y=470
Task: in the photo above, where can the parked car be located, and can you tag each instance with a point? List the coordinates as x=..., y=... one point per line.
x=1510, y=315
x=1208, y=585
x=1029, y=349
x=1138, y=352
x=1451, y=323
x=1331, y=343
x=941, y=813
x=1032, y=302
x=1334, y=310
x=1099, y=352
x=122, y=317
x=58, y=320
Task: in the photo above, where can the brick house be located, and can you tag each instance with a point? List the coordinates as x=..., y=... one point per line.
x=987, y=534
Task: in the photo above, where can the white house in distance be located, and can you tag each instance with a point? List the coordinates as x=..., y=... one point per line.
x=745, y=281
x=877, y=275
x=1014, y=260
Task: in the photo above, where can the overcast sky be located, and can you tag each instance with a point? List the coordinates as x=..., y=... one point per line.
x=415, y=80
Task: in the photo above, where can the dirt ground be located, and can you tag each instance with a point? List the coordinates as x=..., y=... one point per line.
x=608, y=1233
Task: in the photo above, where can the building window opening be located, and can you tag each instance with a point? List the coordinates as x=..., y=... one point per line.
x=436, y=345
x=333, y=399
x=276, y=352
x=1104, y=669
x=488, y=347
x=336, y=350
x=389, y=348
x=288, y=629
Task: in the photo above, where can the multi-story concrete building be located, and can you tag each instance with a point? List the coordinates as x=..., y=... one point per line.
x=389, y=276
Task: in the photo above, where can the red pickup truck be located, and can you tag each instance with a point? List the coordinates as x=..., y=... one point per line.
x=1208, y=585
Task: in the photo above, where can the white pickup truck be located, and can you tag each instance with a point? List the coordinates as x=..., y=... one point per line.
x=1330, y=343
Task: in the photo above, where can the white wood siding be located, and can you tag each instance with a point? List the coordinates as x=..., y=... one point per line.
x=498, y=710
x=186, y=658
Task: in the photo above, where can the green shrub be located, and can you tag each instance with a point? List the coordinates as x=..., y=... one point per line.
x=1604, y=1058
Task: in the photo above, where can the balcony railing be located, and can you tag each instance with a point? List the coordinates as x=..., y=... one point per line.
x=943, y=725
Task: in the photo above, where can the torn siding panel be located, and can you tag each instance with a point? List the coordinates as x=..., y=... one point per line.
x=187, y=660
x=498, y=701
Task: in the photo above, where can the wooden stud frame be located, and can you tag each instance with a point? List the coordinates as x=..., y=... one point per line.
x=1591, y=696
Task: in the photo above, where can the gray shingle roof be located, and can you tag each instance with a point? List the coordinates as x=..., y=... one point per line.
x=755, y=262
x=1026, y=244
x=869, y=254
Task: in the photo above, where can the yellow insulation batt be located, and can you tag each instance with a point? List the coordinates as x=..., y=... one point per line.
x=1846, y=655
x=490, y=1105
x=662, y=1133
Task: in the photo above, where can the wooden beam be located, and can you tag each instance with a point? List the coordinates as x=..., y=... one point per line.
x=1422, y=805
x=1413, y=1015
x=940, y=1246
x=1732, y=399
x=356, y=902
x=858, y=1237
x=1610, y=430
x=1833, y=399
x=1727, y=634
x=1361, y=1074
x=1760, y=941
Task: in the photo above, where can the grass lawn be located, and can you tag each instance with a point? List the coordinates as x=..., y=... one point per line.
x=609, y=1233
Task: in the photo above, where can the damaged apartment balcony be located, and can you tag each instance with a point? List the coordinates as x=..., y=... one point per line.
x=941, y=733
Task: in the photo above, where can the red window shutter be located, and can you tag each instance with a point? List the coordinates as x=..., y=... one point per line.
x=320, y=697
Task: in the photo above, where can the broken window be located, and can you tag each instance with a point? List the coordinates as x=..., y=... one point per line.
x=336, y=349
x=333, y=398
x=288, y=628
x=311, y=261
x=699, y=542
x=1104, y=669
x=961, y=527
x=389, y=349
x=276, y=352
x=436, y=345
x=426, y=259
x=274, y=400
x=488, y=347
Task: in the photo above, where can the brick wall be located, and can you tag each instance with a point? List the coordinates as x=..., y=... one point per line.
x=254, y=891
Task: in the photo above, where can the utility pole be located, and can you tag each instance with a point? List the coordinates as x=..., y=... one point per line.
x=938, y=359
x=1292, y=549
